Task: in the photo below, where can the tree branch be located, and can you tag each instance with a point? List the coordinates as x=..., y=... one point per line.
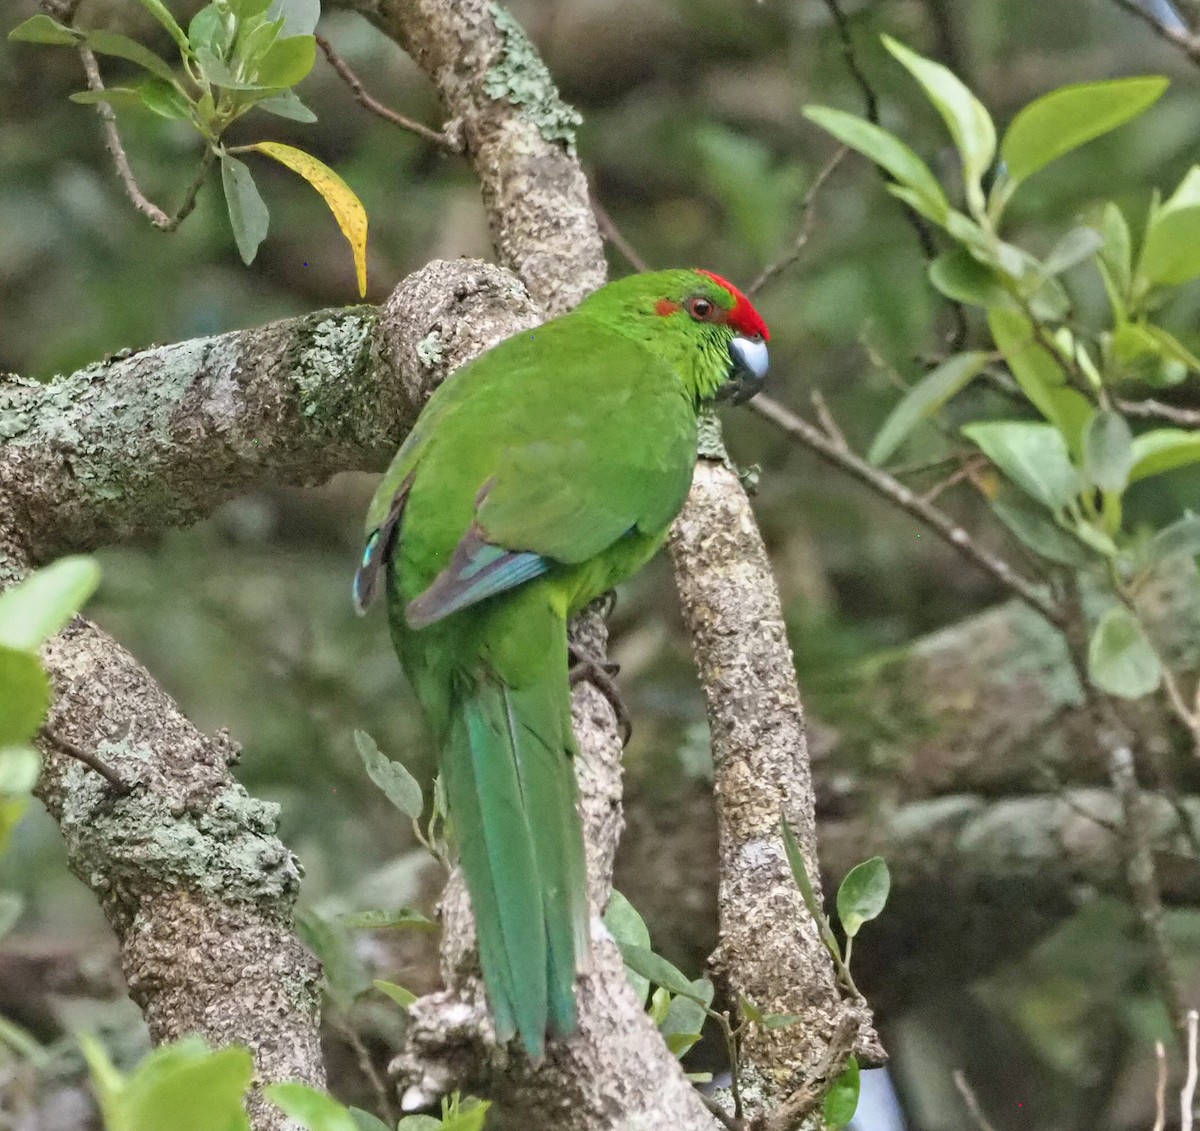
x=937, y=520
x=443, y=139
x=769, y=950
x=1179, y=36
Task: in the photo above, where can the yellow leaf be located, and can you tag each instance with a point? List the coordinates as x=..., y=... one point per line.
x=347, y=209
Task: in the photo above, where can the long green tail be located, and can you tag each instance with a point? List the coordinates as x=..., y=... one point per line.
x=511, y=789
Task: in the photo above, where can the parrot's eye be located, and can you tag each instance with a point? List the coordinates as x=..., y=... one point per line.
x=700, y=309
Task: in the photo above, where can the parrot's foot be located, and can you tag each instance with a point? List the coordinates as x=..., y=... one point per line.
x=599, y=674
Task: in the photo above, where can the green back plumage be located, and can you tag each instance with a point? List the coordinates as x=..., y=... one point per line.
x=538, y=476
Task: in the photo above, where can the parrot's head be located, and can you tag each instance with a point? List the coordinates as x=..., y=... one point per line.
x=702, y=324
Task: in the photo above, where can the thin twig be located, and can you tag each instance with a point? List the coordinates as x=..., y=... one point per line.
x=1139, y=867
x=721, y=1115
x=916, y=221
x=851, y=56
x=1187, y=43
x=891, y=488
x=973, y=1109
x=442, y=139
x=112, y=142
x=120, y=787
x=1160, y=1087
x=1156, y=410
x=1187, y=1097
x=808, y=216
x=826, y=420
x=614, y=235
x=383, y=1094
x=805, y=1098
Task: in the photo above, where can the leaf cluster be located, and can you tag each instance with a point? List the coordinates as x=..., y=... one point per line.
x=234, y=56
x=1065, y=472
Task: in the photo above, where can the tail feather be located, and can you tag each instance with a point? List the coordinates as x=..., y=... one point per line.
x=511, y=787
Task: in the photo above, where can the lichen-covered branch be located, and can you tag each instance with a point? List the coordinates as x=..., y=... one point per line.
x=186, y=867
x=769, y=949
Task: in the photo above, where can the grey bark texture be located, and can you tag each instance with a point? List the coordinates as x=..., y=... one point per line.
x=769, y=948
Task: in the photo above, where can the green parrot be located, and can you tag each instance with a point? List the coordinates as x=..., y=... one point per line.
x=539, y=476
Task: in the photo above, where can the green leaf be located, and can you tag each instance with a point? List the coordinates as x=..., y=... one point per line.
x=780, y=1020
x=1182, y=537
x=19, y=767
x=1120, y=658
x=924, y=399
x=660, y=1006
x=11, y=906
x=642, y=960
x=401, y=788
x=1076, y=246
x=118, y=97
x=968, y=121
x=42, y=29
x=1171, y=254
x=299, y=16
x=1041, y=376
x=110, y=43
x=402, y=997
x=165, y=100
x=288, y=61
x=345, y=975
x=107, y=1082
x=889, y=152
x=1033, y=456
x=286, y=105
x=464, y=1114
x=841, y=1101
x=24, y=696
x=1070, y=117
x=1108, y=451
x=40, y=606
x=685, y=1018
x=208, y=33
x=248, y=215
x=1116, y=253
x=1163, y=449
x=254, y=39
x=863, y=893
x=246, y=10
x=1171, y=250
x=960, y=276
x=378, y=918
x=159, y=11
x=748, y=1009
x=625, y=925
x=365, y=1121
x=311, y=1107
x=163, y=1090
x=419, y=1123
x=1032, y=526
x=795, y=860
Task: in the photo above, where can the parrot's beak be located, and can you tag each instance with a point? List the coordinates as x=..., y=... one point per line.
x=748, y=371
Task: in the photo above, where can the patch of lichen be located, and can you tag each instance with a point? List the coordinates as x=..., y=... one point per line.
x=228, y=849
x=521, y=78
x=334, y=367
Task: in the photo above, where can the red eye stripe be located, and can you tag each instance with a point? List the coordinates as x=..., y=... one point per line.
x=743, y=317
x=665, y=306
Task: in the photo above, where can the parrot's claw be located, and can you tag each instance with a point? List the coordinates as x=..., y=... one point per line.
x=599, y=673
